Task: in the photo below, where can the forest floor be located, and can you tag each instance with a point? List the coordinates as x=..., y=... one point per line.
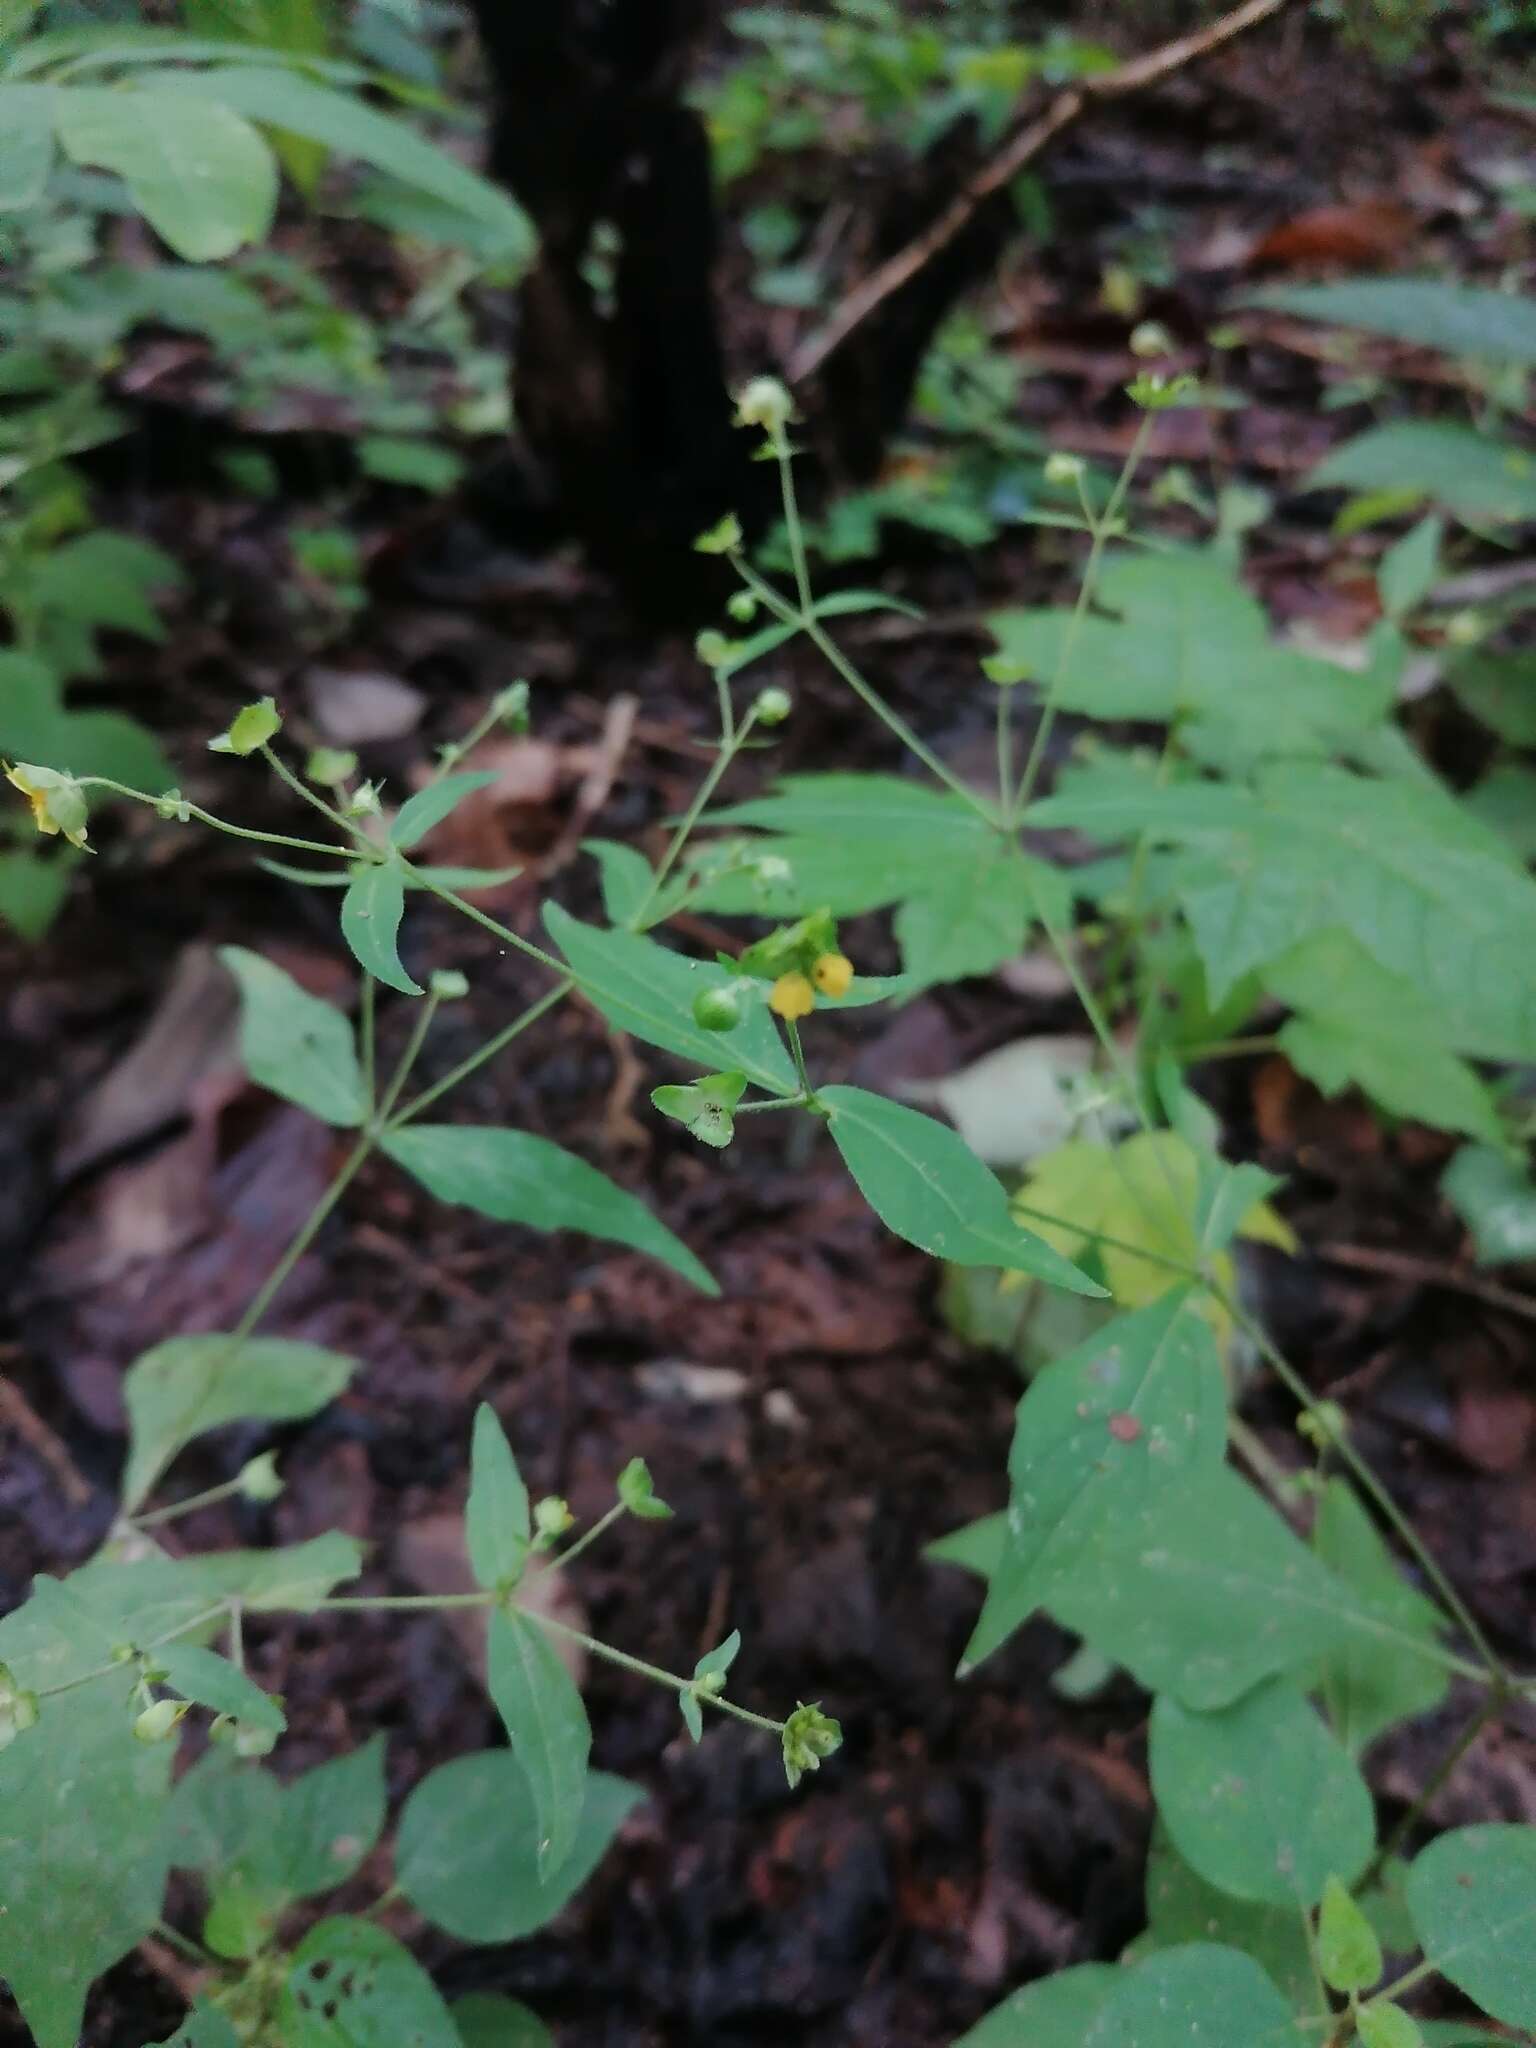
x=820, y=1423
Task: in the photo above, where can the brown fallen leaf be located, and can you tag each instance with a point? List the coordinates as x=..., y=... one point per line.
x=191, y=1034
x=1369, y=234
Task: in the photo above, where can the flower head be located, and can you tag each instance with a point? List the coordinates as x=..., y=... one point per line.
x=792, y=997
x=833, y=974
x=58, y=803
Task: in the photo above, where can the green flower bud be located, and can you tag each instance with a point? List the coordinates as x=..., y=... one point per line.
x=773, y=706
x=512, y=706
x=765, y=403
x=162, y=1719
x=331, y=765
x=717, y=1009
x=712, y=648
x=809, y=1735
x=363, y=803
x=1154, y=392
x=742, y=606
x=634, y=1488
x=249, y=729
x=1324, y=1423
x=448, y=985
x=552, y=1517
x=57, y=800
x=251, y=1742
x=1151, y=338
x=1062, y=468
x=721, y=538
x=173, y=808
x=259, y=1478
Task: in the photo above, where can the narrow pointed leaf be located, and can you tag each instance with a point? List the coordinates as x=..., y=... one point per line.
x=923, y=1181
x=547, y=1725
x=519, y=1178
x=371, y=912
x=496, y=1520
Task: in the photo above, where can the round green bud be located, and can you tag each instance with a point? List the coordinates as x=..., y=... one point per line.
x=1062, y=468
x=160, y=1720
x=765, y=403
x=712, y=648
x=259, y=1478
x=331, y=765
x=742, y=607
x=448, y=985
x=773, y=706
x=717, y=1009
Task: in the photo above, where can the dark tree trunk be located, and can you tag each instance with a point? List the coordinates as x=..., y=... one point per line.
x=625, y=404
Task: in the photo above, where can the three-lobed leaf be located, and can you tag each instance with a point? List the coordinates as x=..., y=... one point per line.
x=1369, y=1686
x=1106, y=1430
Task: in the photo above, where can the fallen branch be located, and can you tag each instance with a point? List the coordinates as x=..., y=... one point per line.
x=1000, y=170
x=1428, y=1273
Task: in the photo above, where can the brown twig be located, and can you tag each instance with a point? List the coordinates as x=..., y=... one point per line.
x=999, y=171
x=17, y=1413
x=1366, y=1258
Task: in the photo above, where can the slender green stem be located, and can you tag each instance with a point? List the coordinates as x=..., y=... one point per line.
x=816, y=633
x=730, y=747
x=174, y=1937
x=369, y=1007
x=383, y=1902
x=362, y=844
x=185, y=1507
x=237, y=1634
x=585, y=1542
x=389, y=1603
x=797, y=1054
x=220, y=824
x=303, y=1238
x=778, y=1102
x=792, y=524
x=654, y=1672
x=488, y=1051
x=422, y=1024
x=514, y=939
x=171, y=1635
x=1103, y=530
x=1488, y=1708
x=727, y=711
x=461, y=749
x=1493, y=1670
x=1004, y=750
x=1228, y=1049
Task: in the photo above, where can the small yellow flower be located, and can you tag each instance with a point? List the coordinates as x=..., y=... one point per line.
x=57, y=804
x=833, y=974
x=792, y=997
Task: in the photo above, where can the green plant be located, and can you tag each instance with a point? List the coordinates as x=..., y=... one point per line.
x=1276, y=1652
x=187, y=128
